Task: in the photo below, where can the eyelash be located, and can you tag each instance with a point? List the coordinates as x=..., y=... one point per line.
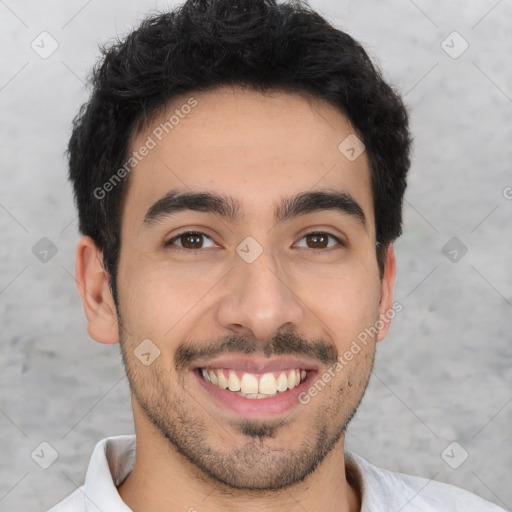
x=169, y=243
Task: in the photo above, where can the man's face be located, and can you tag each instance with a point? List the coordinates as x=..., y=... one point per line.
x=257, y=294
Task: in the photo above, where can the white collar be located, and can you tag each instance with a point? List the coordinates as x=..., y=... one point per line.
x=111, y=462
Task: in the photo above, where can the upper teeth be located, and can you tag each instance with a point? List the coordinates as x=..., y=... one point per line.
x=250, y=383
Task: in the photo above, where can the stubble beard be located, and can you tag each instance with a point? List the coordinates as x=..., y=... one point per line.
x=248, y=462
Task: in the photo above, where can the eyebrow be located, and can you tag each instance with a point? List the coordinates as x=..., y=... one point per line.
x=230, y=209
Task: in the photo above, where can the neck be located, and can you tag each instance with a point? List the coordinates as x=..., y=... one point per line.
x=164, y=480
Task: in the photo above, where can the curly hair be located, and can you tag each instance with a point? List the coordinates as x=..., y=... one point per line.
x=204, y=44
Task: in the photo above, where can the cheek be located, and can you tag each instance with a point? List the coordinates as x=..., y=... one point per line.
x=155, y=300
x=347, y=303
x=346, y=319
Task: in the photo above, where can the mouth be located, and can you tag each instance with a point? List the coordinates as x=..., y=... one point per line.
x=253, y=385
x=268, y=389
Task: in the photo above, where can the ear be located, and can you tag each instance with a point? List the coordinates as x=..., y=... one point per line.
x=386, y=310
x=92, y=282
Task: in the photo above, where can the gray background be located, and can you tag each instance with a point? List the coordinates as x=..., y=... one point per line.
x=442, y=375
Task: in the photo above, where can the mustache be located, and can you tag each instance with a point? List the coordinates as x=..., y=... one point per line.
x=288, y=343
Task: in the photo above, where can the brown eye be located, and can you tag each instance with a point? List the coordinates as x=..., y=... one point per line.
x=190, y=240
x=319, y=240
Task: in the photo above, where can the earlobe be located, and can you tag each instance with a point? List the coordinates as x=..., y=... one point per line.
x=92, y=281
x=386, y=311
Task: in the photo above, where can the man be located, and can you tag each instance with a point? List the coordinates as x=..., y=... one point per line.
x=239, y=173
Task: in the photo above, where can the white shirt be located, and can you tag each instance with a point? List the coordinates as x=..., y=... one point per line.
x=382, y=491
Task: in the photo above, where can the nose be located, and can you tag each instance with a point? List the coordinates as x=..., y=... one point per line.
x=258, y=300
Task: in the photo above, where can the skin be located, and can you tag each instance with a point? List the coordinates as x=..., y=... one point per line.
x=191, y=451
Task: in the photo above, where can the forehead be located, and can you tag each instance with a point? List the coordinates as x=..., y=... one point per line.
x=254, y=146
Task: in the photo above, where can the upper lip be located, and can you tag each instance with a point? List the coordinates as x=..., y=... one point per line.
x=257, y=365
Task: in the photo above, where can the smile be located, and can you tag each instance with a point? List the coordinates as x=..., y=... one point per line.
x=252, y=385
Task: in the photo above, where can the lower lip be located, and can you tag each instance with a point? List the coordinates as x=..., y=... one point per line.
x=254, y=407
